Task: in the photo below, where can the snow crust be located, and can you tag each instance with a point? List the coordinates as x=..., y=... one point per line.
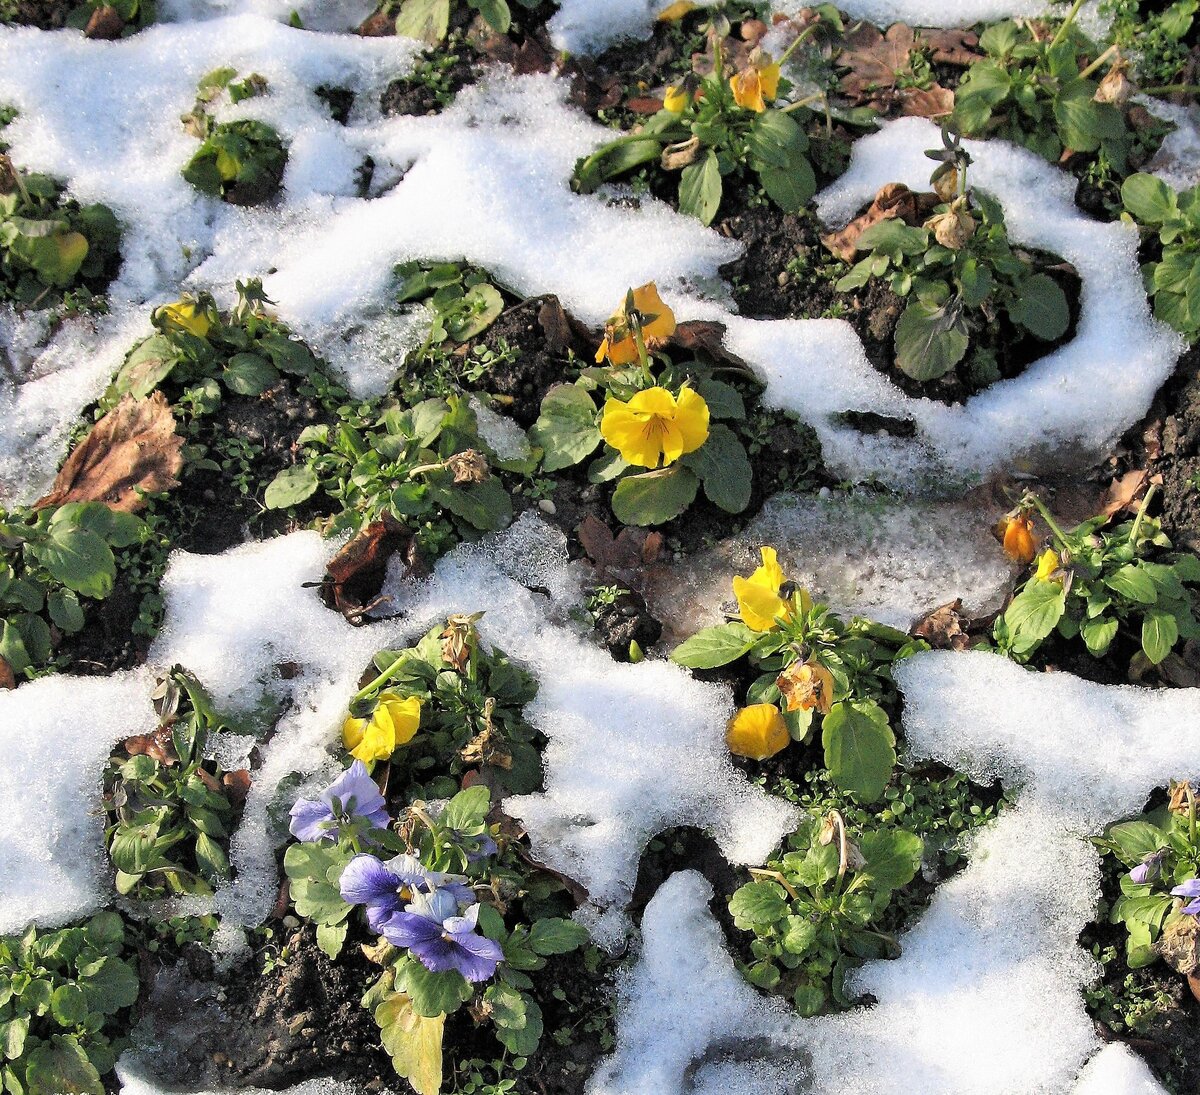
x=986, y=995
x=55, y=738
x=1117, y=1070
x=862, y=554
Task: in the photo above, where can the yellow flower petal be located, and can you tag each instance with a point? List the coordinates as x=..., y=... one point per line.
x=758, y=596
x=653, y=401
x=676, y=99
x=352, y=733
x=768, y=77
x=1048, y=564
x=672, y=13
x=403, y=715
x=184, y=315
x=757, y=732
x=747, y=90
x=647, y=301
x=626, y=432
x=691, y=416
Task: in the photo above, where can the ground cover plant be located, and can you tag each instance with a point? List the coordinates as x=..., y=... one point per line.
x=393, y=518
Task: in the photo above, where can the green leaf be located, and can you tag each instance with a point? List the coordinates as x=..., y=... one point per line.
x=425, y=20
x=466, y=811
x=249, y=374
x=654, y=497
x=331, y=937
x=799, y=935
x=65, y=610
x=69, y=1005
x=291, y=487
x=495, y=13
x=985, y=86
x=486, y=506
x=110, y=983
x=566, y=427
x=929, y=341
x=1041, y=308
x=715, y=646
x=724, y=469
x=1098, y=634
x=1135, y=840
x=777, y=146
x=554, y=935
x=724, y=400
x=1148, y=198
x=56, y=257
x=314, y=871
x=700, y=188
x=1133, y=582
x=480, y=305
x=414, y=1043
x=1159, y=634
x=758, y=905
x=434, y=994
x=78, y=558
x=106, y=931
x=61, y=1067
x=860, y=748
x=893, y=857
x=1034, y=613
x=13, y=1035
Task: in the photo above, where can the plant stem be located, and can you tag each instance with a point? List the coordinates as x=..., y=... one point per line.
x=1098, y=62
x=1059, y=535
x=1137, y=521
x=801, y=102
x=783, y=57
x=1062, y=31
x=378, y=682
x=1173, y=89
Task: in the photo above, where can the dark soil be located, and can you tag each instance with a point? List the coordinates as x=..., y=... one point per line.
x=624, y=622
x=45, y=14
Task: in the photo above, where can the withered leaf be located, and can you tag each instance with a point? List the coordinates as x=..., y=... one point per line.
x=8, y=679
x=105, y=25
x=951, y=46
x=893, y=200
x=877, y=62
x=237, y=785
x=1124, y=491
x=379, y=25
x=623, y=556
x=156, y=745
x=644, y=104
x=945, y=628
x=703, y=336
x=355, y=574
x=132, y=450
x=1179, y=945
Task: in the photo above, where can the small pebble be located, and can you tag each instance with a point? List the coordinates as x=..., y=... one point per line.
x=290, y=921
x=547, y=507
x=824, y=492
x=784, y=278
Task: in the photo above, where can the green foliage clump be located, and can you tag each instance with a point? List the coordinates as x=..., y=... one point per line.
x=814, y=910
x=53, y=561
x=1174, y=280
x=53, y=251
x=429, y=20
x=169, y=813
x=1158, y=36
x=1096, y=583
x=240, y=162
x=63, y=997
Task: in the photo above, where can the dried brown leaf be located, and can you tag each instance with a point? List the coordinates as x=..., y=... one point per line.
x=157, y=745
x=644, y=104
x=8, y=679
x=623, y=556
x=132, y=450
x=893, y=200
x=378, y=25
x=702, y=336
x=933, y=102
x=236, y=785
x=945, y=628
x=355, y=574
x=105, y=25
x=951, y=47
x=1124, y=492
x=1179, y=945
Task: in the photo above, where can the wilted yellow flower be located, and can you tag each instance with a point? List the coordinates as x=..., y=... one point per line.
x=1048, y=565
x=1116, y=87
x=1016, y=533
x=655, y=424
x=755, y=86
x=393, y=723
x=953, y=228
x=619, y=345
x=676, y=99
x=758, y=597
x=807, y=686
x=757, y=732
x=187, y=315
x=672, y=13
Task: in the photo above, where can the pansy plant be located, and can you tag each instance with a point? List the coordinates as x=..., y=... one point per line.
x=817, y=672
x=657, y=420
x=718, y=127
x=1095, y=583
x=1160, y=891
x=815, y=908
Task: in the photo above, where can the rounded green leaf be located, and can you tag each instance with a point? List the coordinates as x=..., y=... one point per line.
x=566, y=427
x=291, y=487
x=1148, y=198
x=860, y=748
x=655, y=497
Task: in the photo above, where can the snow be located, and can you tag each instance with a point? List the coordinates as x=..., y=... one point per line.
x=1177, y=161
x=986, y=996
x=1117, y=1070
x=869, y=555
x=55, y=738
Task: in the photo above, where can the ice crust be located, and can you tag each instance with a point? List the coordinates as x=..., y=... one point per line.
x=862, y=554
x=55, y=738
x=986, y=996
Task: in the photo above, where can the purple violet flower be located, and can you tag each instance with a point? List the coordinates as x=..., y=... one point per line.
x=1191, y=888
x=385, y=888
x=440, y=939
x=485, y=846
x=1150, y=868
x=352, y=795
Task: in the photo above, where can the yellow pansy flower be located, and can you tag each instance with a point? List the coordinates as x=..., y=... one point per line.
x=393, y=723
x=758, y=596
x=1017, y=534
x=1048, y=565
x=188, y=316
x=757, y=732
x=676, y=99
x=755, y=86
x=672, y=13
x=655, y=425
x=619, y=345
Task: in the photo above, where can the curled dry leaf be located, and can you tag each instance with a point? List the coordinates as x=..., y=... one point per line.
x=157, y=745
x=237, y=785
x=703, y=336
x=132, y=451
x=1124, y=491
x=945, y=628
x=878, y=64
x=355, y=574
x=894, y=200
x=8, y=679
x=1179, y=945
x=379, y=25
x=644, y=104
x=623, y=556
x=105, y=25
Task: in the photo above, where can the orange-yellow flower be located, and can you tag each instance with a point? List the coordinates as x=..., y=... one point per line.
x=807, y=686
x=758, y=597
x=1018, y=537
x=672, y=13
x=655, y=425
x=755, y=86
x=393, y=723
x=676, y=99
x=186, y=315
x=757, y=732
x=619, y=345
